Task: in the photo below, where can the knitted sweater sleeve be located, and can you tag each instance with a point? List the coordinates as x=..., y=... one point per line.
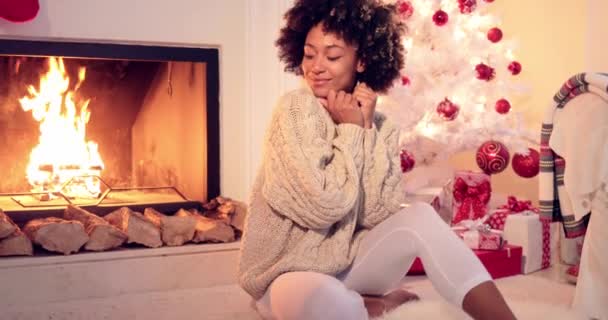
x=311, y=170
x=382, y=176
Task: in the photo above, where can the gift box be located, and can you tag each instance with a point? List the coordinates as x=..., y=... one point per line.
x=483, y=239
x=499, y=216
x=534, y=235
x=499, y=263
x=471, y=193
x=435, y=196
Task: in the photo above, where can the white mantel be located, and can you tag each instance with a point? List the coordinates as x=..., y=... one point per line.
x=244, y=31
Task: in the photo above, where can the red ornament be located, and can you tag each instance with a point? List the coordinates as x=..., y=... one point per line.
x=502, y=106
x=495, y=34
x=405, y=81
x=515, y=68
x=526, y=166
x=484, y=72
x=492, y=157
x=467, y=6
x=447, y=110
x=407, y=161
x=404, y=8
x=440, y=18
x=19, y=10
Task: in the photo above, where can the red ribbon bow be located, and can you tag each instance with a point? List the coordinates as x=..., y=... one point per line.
x=471, y=198
x=516, y=206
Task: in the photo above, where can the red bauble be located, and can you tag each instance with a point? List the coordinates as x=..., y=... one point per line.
x=447, y=110
x=404, y=8
x=405, y=81
x=526, y=166
x=502, y=106
x=19, y=10
x=467, y=6
x=440, y=18
x=407, y=161
x=484, y=72
x=495, y=34
x=515, y=68
x=492, y=157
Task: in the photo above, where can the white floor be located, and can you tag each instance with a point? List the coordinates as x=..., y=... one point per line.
x=230, y=302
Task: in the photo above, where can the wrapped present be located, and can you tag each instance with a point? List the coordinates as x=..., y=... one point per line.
x=498, y=217
x=477, y=235
x=470, y=196
x=417, y=268
x=534, y=235
x=499, y=263
x=435, y=196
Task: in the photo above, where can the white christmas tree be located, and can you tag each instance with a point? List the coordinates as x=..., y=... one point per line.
x=459, y=79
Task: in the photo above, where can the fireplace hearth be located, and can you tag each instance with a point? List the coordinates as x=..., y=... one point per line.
x=107, y=126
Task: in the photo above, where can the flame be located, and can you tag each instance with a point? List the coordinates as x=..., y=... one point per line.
x=63, y=154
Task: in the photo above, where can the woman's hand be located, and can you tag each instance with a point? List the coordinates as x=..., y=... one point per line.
x=343, y=108
x=366, y=98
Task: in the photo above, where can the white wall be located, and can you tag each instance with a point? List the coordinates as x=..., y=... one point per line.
x=596, y=45
x=205, y=23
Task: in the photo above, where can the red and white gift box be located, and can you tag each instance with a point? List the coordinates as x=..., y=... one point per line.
x=480, y=238
x=499, y=263
x=536, y=236
x=471, y=193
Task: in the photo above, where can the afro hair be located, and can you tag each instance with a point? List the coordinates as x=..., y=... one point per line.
x=370, y=26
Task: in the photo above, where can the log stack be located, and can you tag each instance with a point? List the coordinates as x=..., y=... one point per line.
x=175, y=230
x=13, y=242
x=136, y=226
x=221, y=220
x=56, y=234
x=102, y=235
x=207, y=229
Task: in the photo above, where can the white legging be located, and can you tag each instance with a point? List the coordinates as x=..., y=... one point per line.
x=384, y=257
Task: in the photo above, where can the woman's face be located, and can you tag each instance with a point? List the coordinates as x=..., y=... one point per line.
x=329, y=63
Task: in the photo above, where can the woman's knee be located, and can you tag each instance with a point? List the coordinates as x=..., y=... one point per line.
x=417, y=213
x=315, y=296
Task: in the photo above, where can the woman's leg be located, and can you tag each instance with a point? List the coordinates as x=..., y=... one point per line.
x=310, y=295
x=388, y=250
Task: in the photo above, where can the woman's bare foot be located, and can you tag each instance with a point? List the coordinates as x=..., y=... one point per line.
x=378, y=305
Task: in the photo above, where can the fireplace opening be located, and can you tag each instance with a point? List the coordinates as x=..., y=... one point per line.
x=82, y=122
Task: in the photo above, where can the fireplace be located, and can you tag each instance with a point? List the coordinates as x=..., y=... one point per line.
x=146, y=118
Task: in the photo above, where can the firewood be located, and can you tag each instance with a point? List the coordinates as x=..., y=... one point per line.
x=17, y=244
x=238, y=218
x=221, y=200
x=211, y=205
x=57, y=235
x=138, y=228
x=7, y=226
x=102, y=235
x=208, y=229
x=175, y=231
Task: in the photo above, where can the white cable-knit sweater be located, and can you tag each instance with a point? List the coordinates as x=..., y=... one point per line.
x=320, y=187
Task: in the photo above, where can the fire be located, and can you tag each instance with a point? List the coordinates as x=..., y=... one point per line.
x=63, y=152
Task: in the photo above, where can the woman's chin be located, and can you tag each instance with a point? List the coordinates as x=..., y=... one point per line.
x=320, y=92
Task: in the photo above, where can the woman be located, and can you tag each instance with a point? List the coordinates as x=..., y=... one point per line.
x=325, y=235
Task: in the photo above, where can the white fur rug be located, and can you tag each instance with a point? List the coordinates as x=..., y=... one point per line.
x=530, y=297
x=423, y=310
